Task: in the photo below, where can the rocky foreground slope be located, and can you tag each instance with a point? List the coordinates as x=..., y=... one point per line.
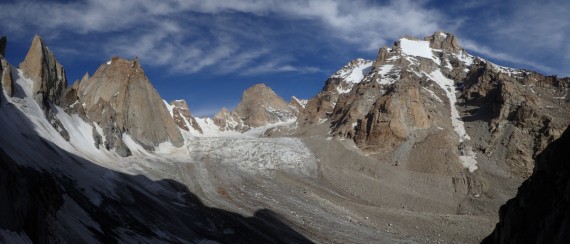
x=423, y=144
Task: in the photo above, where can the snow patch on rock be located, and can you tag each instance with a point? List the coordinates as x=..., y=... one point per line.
x=468, y=157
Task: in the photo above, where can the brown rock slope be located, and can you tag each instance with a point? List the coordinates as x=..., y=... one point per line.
x=540, y=213
x=341, y=82
x=120, y=99
x=226, y=120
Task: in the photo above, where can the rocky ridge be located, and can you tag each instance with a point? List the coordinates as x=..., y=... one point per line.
x=298, y=105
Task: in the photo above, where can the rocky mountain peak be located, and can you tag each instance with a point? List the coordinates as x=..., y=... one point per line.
x=260, y=105
x=229, y=121
x=48, y=74
x=120, y=99
x=444, y=41
x=183, y=117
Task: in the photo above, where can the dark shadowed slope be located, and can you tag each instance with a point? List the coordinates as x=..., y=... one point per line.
x=540, y=213
x=50, y=195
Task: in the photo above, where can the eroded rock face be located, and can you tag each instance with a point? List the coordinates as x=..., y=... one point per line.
x=341, y=82
x=525, y=111
x=183, y=117
x=392, y=118
x=444, y=41
x=260, y=106
x=120, y=99
x=229, y=121
x=49, y=81
x=47, y=73
x=540, y=212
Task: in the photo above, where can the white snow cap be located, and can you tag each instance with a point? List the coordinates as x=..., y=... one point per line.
x=416, y=48
x=354, y=71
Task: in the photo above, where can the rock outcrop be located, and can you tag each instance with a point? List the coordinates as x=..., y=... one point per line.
x=5, y=70
x=120, y=99
x=183, y=117
x=48, y=75
x=342, y=81
x=540, y=212
x=229, y=121
x=298, y=105
x=444, y=41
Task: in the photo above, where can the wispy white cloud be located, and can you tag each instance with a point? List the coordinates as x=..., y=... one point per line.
x=277, y=67
x=189, y=36
x=493, y=54
x=163, y=33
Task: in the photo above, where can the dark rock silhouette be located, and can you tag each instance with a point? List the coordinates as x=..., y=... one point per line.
x=540, y=212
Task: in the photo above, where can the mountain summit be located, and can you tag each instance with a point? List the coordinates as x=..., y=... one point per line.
x=120, y=99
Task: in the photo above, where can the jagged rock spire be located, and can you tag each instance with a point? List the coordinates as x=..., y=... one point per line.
x=48, y=74
x=121, y=99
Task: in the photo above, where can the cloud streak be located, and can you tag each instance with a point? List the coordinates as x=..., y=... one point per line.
x=167, y=33
x=189, y=36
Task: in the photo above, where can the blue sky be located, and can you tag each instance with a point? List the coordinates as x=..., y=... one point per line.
x=208, y=52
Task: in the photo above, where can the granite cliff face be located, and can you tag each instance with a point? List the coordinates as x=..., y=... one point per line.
x=120, y=99
x=48, y=81
x=47, y=73
x=540, y=212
